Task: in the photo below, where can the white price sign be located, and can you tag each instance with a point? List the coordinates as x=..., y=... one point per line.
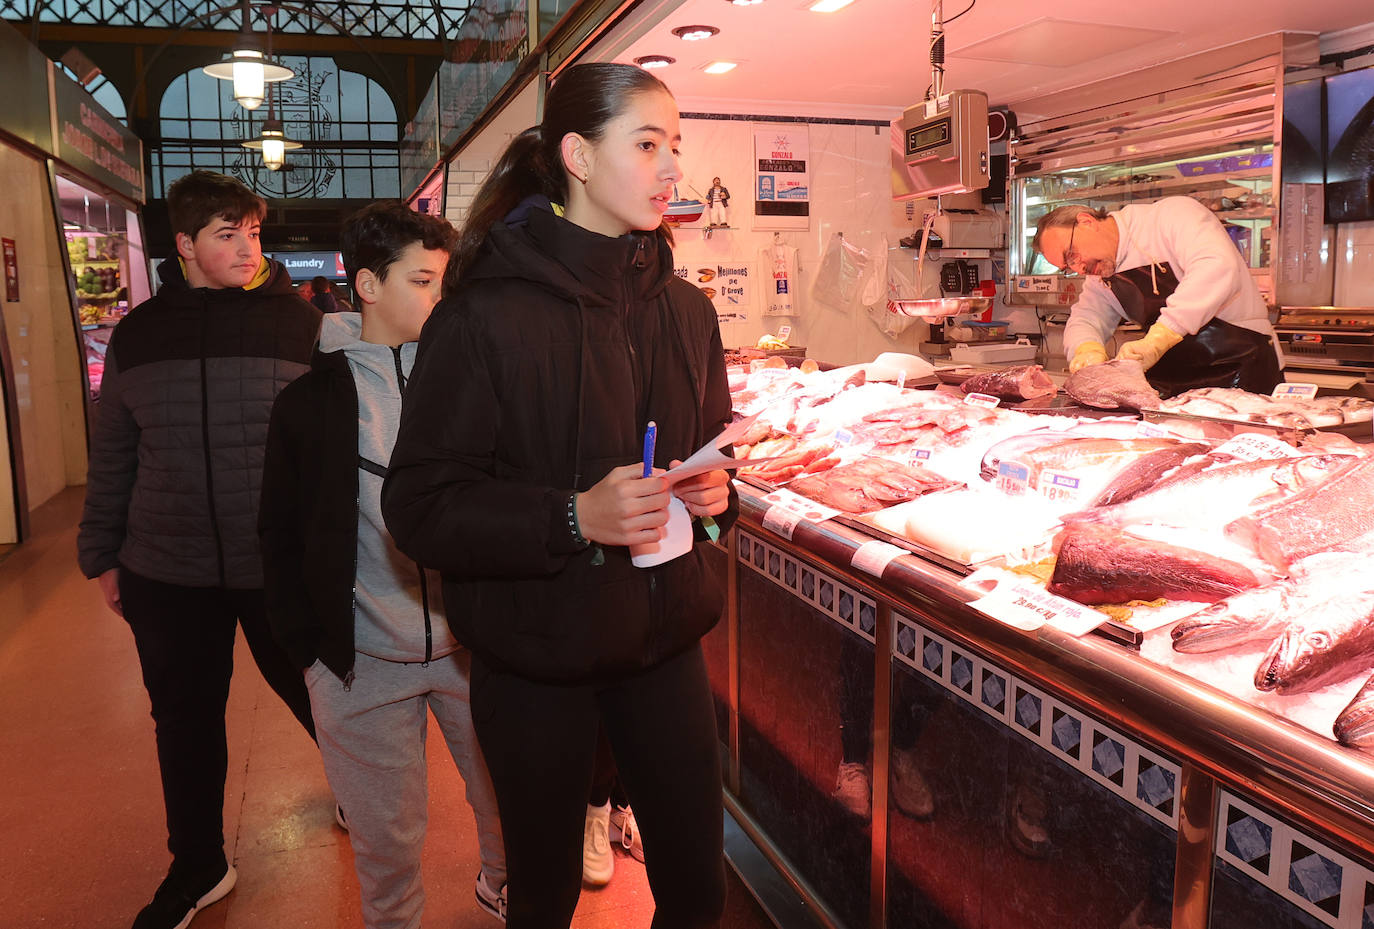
x=1058, y=485
x=1294, y=391
x=1151, y=431
x=787, y=509
x=874, y=557
x=986, y=401
x=1024, y=606
x=1255, y=446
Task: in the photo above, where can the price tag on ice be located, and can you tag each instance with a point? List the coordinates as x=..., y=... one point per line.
x=1012, y=477
x=901, y=378
x=874, y=557
x=1254, y=446
x=1058, y=485
x=843, y=437
x=1151, y=431
x=920, y=454
x=986, y=401
x=1025, y=606
x=787, y=509
x=1294, y=392
x=784, y=332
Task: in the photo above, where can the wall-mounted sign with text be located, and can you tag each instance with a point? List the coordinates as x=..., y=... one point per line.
x=95, y=143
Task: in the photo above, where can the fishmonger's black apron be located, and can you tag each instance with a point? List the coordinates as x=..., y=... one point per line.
x=1219, y=355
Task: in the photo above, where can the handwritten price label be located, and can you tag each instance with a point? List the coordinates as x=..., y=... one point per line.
x=788, y=509
x=985, y=401
x=1151, y=431
x=1254, y=446
x=784, y=332
x=874, y=557
x=1294, y=391
x=1012, y=477
x=1025, y=606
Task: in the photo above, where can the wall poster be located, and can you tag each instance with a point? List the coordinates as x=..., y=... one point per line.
x=782, y=176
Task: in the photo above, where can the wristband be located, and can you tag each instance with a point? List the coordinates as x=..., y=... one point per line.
x=573, y=528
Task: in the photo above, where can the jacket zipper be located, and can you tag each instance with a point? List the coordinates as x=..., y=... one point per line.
x=424, y=582
x=357, y=514
x=205, y=441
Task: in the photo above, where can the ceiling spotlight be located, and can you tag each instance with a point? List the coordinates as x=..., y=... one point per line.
x=720, y=67
x=694, y=33
x=649, y=62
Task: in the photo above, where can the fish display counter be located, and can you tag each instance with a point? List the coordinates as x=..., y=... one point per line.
x=920, y=728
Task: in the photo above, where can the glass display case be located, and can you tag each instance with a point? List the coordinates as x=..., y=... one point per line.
x=1235, y=183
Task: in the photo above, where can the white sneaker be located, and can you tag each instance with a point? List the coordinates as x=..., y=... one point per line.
x=852, y=789
x=598, y=863
x=489, y=898
x=625, y=830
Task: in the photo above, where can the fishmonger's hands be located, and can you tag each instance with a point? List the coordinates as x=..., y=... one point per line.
x=624, y=508
x=1087, y=353
x=704, y=494
x=1151, y=348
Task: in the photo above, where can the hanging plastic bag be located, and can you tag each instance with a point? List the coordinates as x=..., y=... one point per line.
x=842, y=266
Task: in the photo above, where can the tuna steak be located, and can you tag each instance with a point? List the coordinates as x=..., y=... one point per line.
x=1101, y=565
x=1113, y=385
x=1023, y=382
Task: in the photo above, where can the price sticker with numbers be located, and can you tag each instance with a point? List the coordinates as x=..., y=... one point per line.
x=1255, y=446
x=843, y=437
x=787, y=509
x=920, y=454
x=784, y=332
x=1059, y=485
x=1294, y=391
x=1012, y=477
x=986, y=401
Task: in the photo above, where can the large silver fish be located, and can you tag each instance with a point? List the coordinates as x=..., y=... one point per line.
x=1355, y=725
x=1328, y=643
x=1113, y=385
x=1214, y=496
x=1324, y=515
x=1259, y=615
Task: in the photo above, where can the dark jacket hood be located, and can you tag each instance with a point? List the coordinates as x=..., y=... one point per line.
x=521, y=247
x=173, y=277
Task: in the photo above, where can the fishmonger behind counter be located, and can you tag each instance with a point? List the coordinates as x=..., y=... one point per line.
x=1170, y=267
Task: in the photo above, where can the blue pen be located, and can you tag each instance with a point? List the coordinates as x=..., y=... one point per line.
x=650, y=437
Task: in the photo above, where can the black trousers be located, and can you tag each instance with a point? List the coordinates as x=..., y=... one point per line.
x=540, y=744
x=185, y=641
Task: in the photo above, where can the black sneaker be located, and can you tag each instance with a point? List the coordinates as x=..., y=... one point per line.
x=181, y=896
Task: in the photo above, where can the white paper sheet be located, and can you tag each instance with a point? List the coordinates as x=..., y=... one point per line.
x=710, y=458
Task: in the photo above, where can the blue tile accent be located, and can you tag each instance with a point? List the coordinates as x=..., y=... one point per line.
x=933, y=657
x=1367, y=914
x=775, y=564
x=906, y=641
x=1316, y=878
x=868, y=617
x=1155, y=785
x=1109, y=758
x=808, y=584
x=961, y=672
x=1028, y=711
x=827, y=594
x=1249, y=839
x=846, y=605
x=744, y=543
x=1065, y=732
x=994, y=691
x=789, y=573
x=759, y=554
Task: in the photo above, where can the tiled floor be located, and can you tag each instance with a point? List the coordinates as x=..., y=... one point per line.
x=82, y=842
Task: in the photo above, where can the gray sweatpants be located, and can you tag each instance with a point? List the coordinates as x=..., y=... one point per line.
x=372, y=740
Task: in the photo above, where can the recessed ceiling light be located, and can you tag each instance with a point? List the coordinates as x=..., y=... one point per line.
x=828, y=6
x=649, y=62
x=693, y=33
x=720, y=67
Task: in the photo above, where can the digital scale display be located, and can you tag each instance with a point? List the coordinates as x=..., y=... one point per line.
x=928, y=136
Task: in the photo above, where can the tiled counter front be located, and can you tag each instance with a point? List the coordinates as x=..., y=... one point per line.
x=1046, y=807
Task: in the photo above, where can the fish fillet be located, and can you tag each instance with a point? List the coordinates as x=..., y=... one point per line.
x=1101, y=565
x=1023, y=382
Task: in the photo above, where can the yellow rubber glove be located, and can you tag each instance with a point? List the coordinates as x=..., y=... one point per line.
x=1150, y=349
x=1087, y=353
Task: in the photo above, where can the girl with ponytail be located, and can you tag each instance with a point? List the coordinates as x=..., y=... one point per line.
x=517, y=473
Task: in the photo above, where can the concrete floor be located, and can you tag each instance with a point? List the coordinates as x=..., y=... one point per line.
x=82, y=838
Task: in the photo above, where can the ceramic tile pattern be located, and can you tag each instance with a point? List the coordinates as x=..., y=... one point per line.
x=82, y=842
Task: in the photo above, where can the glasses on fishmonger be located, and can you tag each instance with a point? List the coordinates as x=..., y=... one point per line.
x=1071, y=257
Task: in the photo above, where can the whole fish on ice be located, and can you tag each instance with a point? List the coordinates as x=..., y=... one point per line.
x=1325, y=515
x=1113, y=385
x=1355, y=724
x=1328, y=643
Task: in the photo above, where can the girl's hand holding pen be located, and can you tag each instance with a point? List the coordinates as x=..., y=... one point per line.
x=624, y=507
x=705, y=494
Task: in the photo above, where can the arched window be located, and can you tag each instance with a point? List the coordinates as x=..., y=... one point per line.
x=105, y=93
x=346, y=122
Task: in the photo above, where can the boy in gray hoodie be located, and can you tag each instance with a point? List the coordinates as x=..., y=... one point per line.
x=364, y=622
